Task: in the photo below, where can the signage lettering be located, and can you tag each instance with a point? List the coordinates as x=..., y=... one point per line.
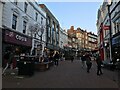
x=17, y=38
x=21, y=38
x=106, y=27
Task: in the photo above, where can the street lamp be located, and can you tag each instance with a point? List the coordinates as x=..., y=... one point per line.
x=110, y=30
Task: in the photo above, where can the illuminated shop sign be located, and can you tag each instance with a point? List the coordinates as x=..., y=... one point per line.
x=21, y=38
x=17, y=38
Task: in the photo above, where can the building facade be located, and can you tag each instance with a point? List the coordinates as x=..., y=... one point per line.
x=108, y=16
x=19, y=21
x=72, y=41
x=1, y=10
x=81, y=40
x=63, y=39
x=100, y=18
x=92, y=41
x=52, y=30
x=72, y=35
x=115, y=28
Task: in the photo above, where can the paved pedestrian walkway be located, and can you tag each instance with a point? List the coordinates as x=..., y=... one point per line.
x=65, y=75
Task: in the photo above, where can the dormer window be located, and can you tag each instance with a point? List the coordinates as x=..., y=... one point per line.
x=25, y=7
x=41, y=20
x=15, y=1
x=36, y=16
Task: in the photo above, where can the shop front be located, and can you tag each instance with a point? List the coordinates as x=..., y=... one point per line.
x=37, y=48
x=116, y=47
x=101, y=51
x=50, y=48
x=107, y=50
x=15, y=43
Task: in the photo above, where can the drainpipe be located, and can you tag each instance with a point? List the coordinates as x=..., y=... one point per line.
x=110, y=31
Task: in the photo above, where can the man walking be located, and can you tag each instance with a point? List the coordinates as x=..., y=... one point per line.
x=99, y=63
x=83, y=60
x=56, y=58
x=88, y=62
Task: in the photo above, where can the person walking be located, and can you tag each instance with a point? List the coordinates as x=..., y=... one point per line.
x=99, y=63
x=88, y=63
x=71, y=58
x=56, y=58
x=45, y=56
x=83, y=60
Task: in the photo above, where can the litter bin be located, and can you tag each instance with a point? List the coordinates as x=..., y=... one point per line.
x=26, y=66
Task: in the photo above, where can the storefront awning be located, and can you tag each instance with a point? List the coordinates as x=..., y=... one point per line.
x=18, y=38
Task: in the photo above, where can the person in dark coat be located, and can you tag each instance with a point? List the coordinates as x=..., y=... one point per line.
x=56, y=58
x=88, y=62
x=71, y=58
x=5, y=59
x=45, y=55
x=99, y=63
x=83, y=60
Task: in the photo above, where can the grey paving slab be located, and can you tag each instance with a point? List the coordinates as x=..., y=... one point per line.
x=66, y=75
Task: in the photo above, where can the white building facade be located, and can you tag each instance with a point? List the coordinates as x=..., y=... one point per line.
x=63, y=42
x=63, y=39
x=24, y=27
x=1, y=9
x=109, y=15
x=106, y=33
x=115, y=29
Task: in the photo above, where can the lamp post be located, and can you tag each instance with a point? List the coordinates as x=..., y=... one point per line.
x=110, y=30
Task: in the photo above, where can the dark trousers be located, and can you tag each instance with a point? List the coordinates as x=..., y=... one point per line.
x=56, y=62
x=71, y=60
x=99, y=71
x=88, y=67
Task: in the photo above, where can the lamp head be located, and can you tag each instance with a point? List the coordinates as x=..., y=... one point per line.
x=109, y=2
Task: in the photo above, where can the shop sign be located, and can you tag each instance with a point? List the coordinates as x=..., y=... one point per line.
x=17, y=38
x=21, y=38
x=106, y=27
x=116, y=40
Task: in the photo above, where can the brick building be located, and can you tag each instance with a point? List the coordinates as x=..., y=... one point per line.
x=81, y=40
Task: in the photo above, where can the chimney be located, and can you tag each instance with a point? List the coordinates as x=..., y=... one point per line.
x=78, y=28
x=72, y=28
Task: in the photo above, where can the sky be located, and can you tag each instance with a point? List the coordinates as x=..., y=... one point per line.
x=77, y=14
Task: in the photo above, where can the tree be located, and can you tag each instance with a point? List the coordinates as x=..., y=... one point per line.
x=38, y=30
